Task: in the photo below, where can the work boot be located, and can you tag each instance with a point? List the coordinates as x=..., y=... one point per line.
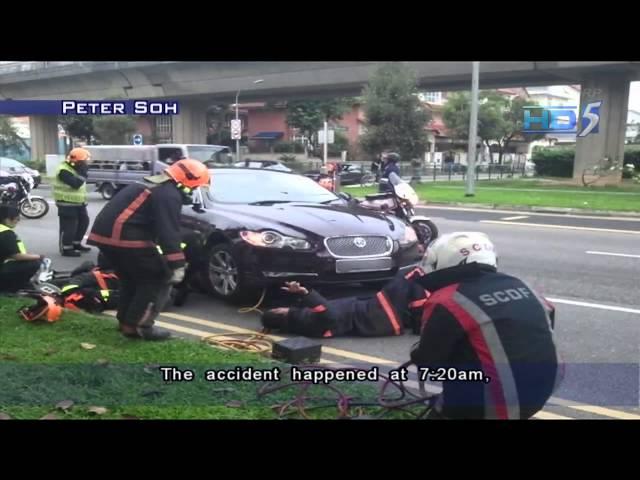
x=80, y=248
x=148, y=333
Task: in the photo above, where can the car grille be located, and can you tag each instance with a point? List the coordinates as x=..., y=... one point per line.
x=348, y=246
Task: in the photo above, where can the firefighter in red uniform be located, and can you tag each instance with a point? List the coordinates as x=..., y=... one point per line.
x=128, y=232
x=480, y=320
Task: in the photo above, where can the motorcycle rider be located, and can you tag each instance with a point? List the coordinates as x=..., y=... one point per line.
x=128, y=232
x=390, y=166
x=17, y=267
x=478, y=319
x=70, y=194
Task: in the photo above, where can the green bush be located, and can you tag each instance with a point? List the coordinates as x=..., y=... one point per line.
x=288, y=147
x=558, y=162
x=554, y=162
x=632, y=156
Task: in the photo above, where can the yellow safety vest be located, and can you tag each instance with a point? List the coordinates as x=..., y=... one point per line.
x=63, y=192
x=21, y=247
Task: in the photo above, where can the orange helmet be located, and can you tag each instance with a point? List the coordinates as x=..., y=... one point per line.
x=47, y=308
x=78, y=155
x=190, y=173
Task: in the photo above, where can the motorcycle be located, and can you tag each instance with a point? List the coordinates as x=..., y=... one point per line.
x=17, y=190
x=400, y=199
x=44, y=280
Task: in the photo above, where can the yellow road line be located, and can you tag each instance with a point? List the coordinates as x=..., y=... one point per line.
x=561, y=227
x=330, y=350
x=551, y=416
x=607, y=412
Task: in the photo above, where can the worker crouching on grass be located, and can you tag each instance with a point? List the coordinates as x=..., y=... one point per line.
x=396, y=307
x=17, y=267
x=128, y=232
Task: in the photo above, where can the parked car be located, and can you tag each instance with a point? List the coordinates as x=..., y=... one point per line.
x=266, y=164
x=11, y=168
x=267, y=227
x=350, y=174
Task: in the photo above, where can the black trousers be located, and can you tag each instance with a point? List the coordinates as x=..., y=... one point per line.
x=74, y=223
x=15, y=275
x=144, y=284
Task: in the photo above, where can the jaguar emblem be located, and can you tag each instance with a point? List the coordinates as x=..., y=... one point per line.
x=359, y=242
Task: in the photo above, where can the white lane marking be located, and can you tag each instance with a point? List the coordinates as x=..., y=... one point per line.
x=592, y=252
x=600, y=306
x=534, y=214
x=519, y=217
x=561, y=227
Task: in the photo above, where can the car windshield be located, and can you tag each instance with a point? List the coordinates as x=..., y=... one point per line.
x=10, y=163
x=262, y=186
x=209, y=155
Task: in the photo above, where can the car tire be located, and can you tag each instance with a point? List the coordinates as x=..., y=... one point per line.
x=225, y=279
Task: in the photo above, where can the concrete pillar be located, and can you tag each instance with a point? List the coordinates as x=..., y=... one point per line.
x=44, y=136
x=190, y=125
x=608, y=142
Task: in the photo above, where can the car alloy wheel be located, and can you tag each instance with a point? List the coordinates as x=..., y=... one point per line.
x=223, y=273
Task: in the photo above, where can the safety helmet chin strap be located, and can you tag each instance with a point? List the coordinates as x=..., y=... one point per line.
x=184, y=189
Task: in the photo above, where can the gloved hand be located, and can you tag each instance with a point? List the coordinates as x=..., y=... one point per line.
x=178, y=276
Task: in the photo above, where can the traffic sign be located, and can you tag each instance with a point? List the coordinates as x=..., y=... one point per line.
x=236, y=129
x=331, y=137
x=137, y=139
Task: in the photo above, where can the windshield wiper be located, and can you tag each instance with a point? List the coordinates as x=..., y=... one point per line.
x=269, y=202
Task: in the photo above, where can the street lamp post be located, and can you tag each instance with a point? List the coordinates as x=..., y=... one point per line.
x=473, y=131
x=256, y=82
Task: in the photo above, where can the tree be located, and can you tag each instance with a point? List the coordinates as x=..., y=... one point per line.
x=395, y=116
x=9, y=137
x=500, y=119
x=79, y=126
x=219, y=128
x=114, y=130
x=308, y=116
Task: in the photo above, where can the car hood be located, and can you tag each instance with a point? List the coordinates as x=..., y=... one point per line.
x=311, y=219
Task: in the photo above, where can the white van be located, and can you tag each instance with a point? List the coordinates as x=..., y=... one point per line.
x=113, y=167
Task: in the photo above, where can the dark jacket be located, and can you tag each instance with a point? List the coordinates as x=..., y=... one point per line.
x=142, y=216
x=92, y=291
x=387, y=170
x=396, y=307
x=479, y=319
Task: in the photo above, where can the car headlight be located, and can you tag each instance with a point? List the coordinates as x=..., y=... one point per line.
x=409, y=236
x=271, y=239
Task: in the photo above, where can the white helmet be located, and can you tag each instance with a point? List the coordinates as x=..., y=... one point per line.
x=459, y=248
